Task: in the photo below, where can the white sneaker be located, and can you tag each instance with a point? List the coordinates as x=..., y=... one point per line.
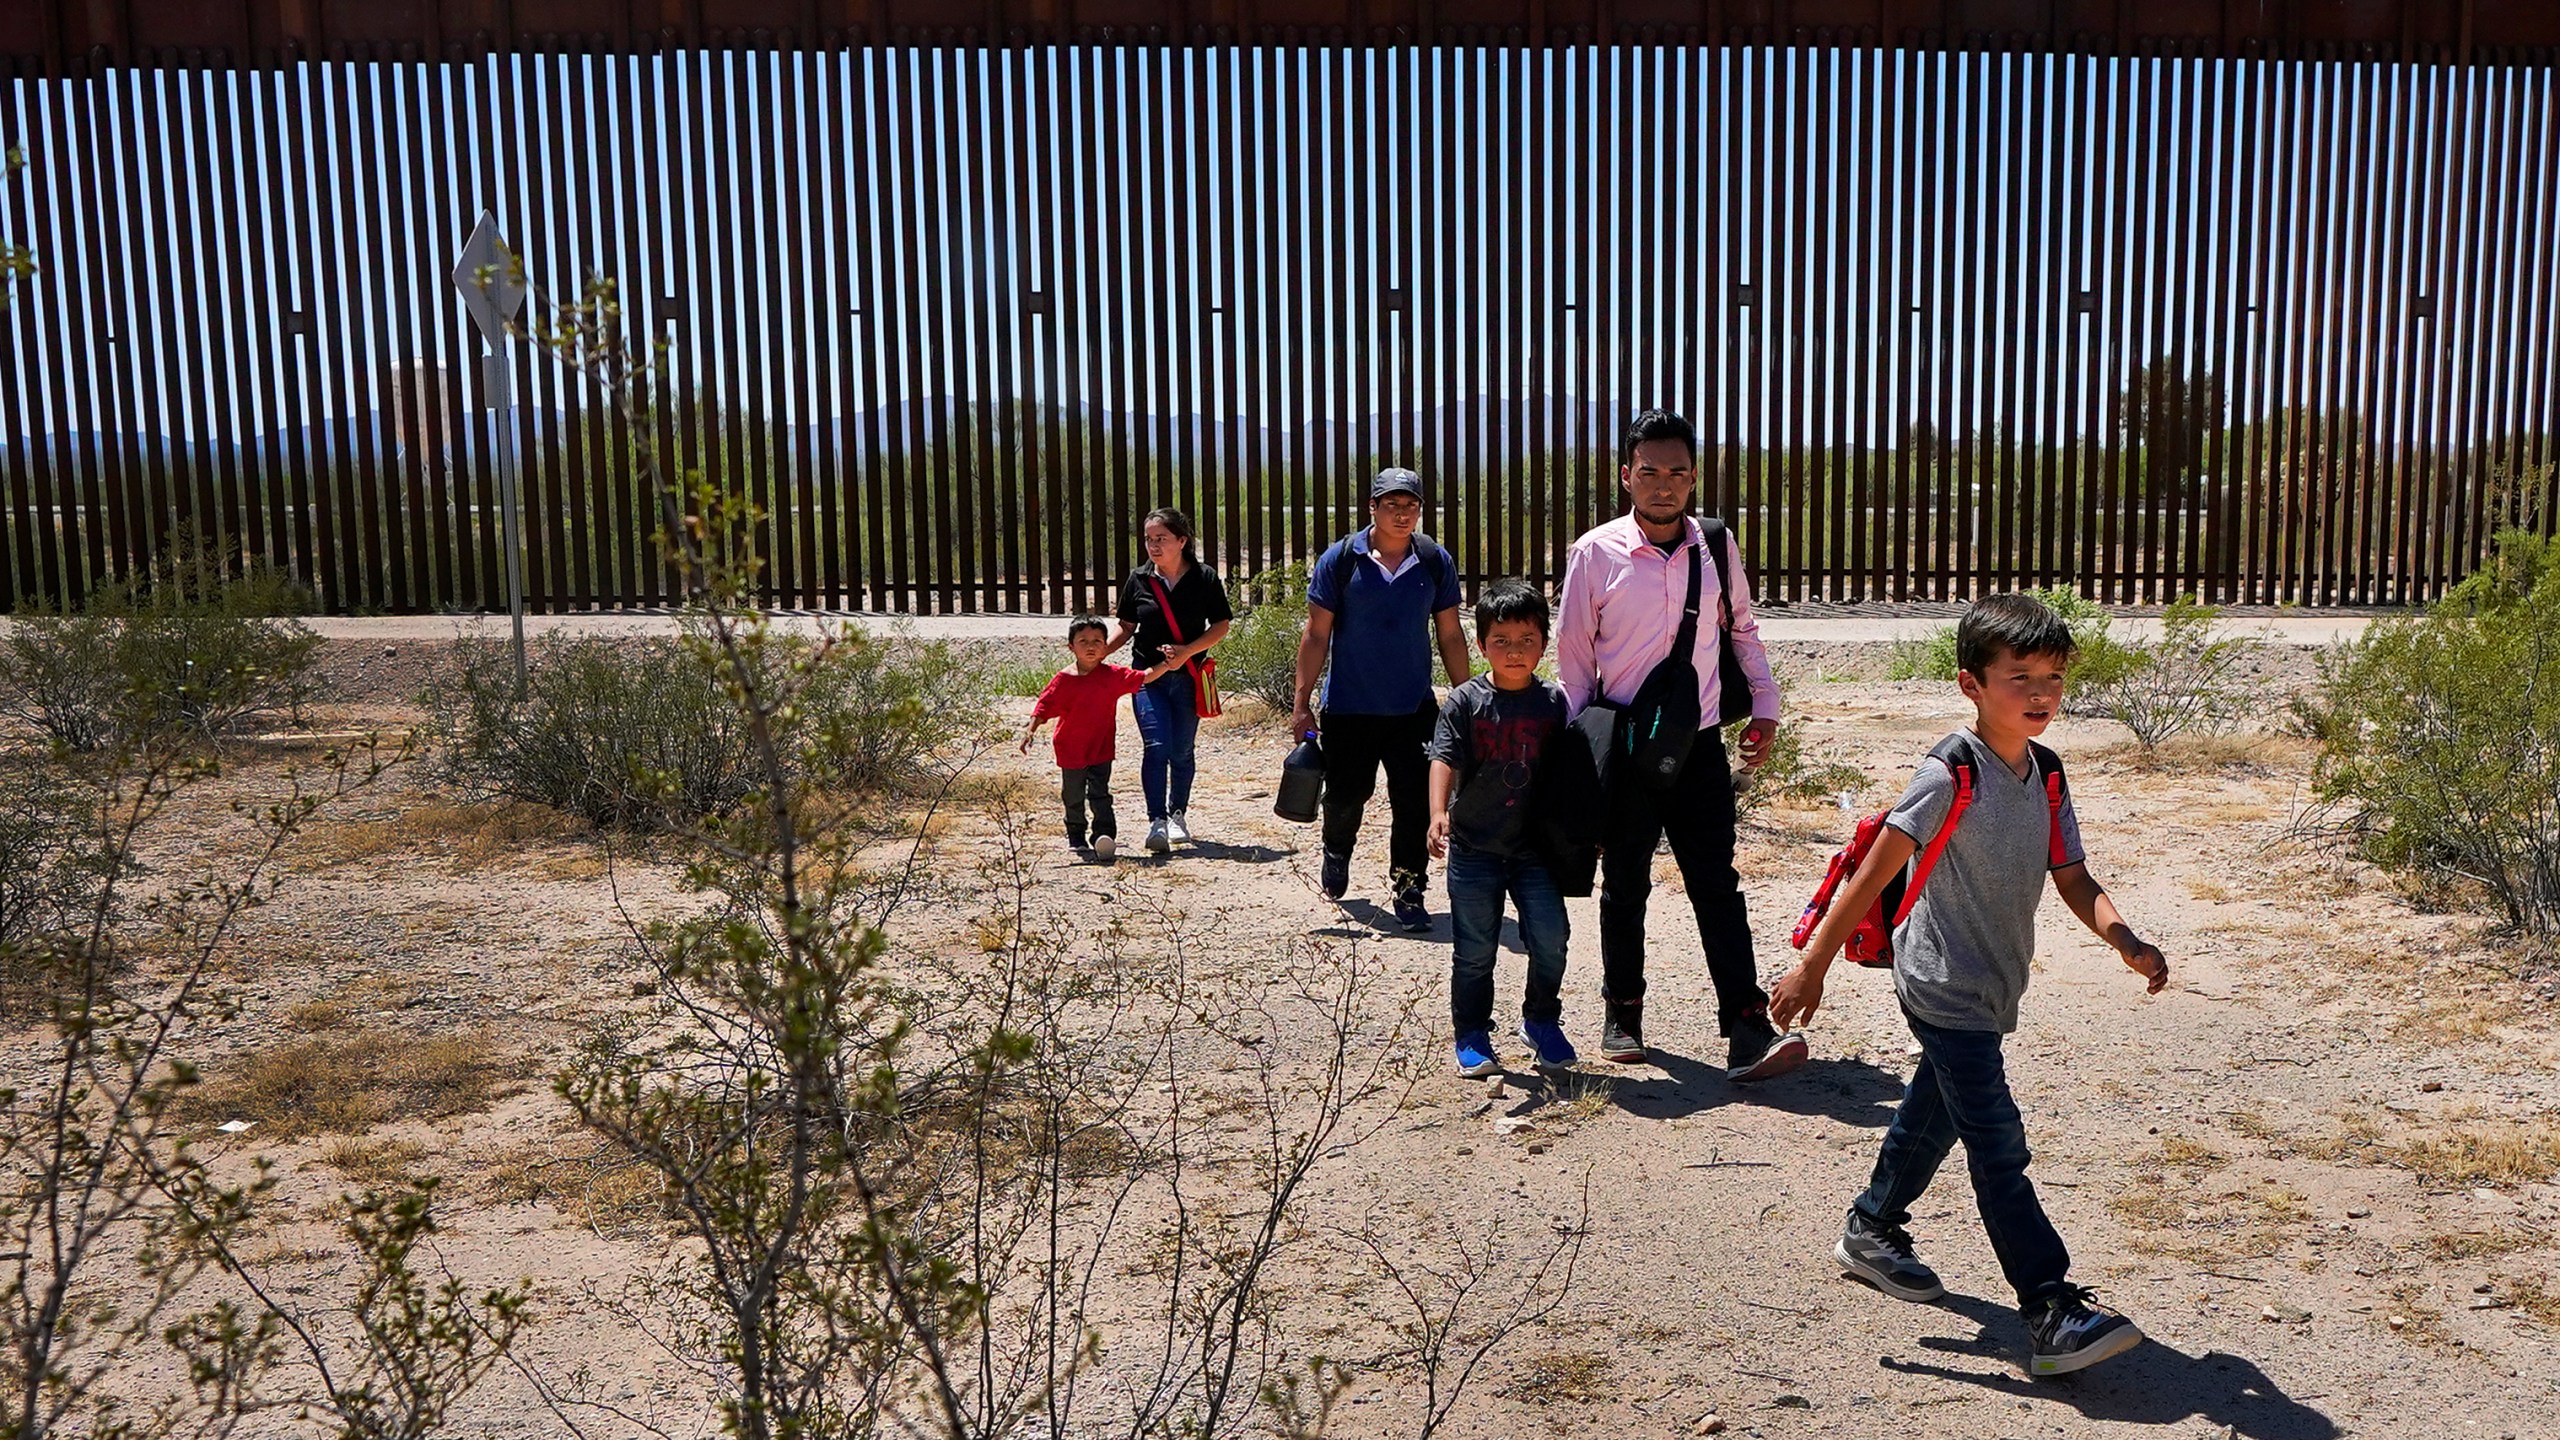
x=1104, y=847
x=1157, y=841
x=1177, y=828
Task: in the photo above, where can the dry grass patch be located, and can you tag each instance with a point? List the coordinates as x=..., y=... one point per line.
x=1577, y=1376
x=353, y=1003
x=2531, y=1298
x=346, y=1084
x=2451, y=1245
x=2481, y=1152
x=469, y=835
x=374, y=1162
x=594, y=1184
x=2172, y=1214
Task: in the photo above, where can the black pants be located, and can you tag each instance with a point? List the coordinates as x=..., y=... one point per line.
x=1698, y=815
x=1354, y=747
x=1090, y=788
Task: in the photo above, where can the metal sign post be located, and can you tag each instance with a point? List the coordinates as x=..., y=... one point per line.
x=491, y=278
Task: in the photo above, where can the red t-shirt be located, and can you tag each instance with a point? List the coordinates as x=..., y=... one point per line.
x=1087, y=709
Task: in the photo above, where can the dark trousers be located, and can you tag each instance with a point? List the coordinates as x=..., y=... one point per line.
x=1355, y=746
x=1477, y=883
x=1697, y=813
x=1961, y=1092
x=1088, y=788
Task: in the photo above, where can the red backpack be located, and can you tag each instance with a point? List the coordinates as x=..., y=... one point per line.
x=1872, y=942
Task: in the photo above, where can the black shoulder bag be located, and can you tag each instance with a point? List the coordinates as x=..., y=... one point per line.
x=1647, y=740
x=1733, y=688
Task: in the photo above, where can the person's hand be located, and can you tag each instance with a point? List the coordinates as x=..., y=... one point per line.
x=1439, y=837
x=2144, y=958
x=1795, y=997
x=1302, y=722
x=1026, y=742
x=1757, y=737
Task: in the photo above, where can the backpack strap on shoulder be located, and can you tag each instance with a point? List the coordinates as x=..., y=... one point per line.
x=1718, y=539
x=1953, y=753
x=1436, y=559
x=1346, y=564
x=2050, y=766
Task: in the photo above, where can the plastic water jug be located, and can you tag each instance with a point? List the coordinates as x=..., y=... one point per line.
x=1301, y=782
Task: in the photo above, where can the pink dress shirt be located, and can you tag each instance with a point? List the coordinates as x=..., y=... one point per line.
x=1621, y=609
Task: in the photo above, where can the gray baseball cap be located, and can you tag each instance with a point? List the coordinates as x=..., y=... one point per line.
x=1395, y=481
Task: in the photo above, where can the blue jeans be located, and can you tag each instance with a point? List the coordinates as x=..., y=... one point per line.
x=1477, y=882
x=1169, y=722
x=1961, y=1092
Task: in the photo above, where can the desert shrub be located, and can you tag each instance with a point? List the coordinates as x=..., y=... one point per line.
x=1259, y=657
x=1924, y=657
x=2441, y=739
x=1933, y=656
x=881, y=703
x=1788, y=773
x=598, y=722
x=51, y=872
x=195, y=648
x=2187, y=681
x=641, y=734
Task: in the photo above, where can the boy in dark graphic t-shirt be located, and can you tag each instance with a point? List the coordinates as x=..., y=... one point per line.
x=1484, y=771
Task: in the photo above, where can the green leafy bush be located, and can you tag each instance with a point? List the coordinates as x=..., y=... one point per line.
x=2188, y=680
x=1259, y=657
x=196, y=648
x=642, y=735
x=2441, y=739
x=1788, y=773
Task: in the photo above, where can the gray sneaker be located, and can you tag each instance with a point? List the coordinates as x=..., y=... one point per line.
x=2070, y=1333
x=1881, y=1256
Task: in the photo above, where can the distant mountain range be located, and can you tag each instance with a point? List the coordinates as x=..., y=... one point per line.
x=1504, y=425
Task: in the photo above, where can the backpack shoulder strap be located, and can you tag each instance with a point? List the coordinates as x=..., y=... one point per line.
x=1436, y=559
x=2049, y=765
x=1719, y=538
x=1346, y=563
x=1953, y=753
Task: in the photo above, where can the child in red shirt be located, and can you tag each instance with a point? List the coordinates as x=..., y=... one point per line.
x=1085, y=701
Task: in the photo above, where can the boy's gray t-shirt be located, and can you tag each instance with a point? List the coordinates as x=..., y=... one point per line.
x=1960, y=959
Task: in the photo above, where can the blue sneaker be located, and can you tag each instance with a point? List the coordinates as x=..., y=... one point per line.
x=1475, y=1054
x=1547, y=1038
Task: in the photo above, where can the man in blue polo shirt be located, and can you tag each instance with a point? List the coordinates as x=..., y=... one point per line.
x=1375, y=602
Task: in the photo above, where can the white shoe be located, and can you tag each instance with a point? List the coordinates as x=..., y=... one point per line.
x=1157, y=842
x=1104, y=847
x=1177, y=829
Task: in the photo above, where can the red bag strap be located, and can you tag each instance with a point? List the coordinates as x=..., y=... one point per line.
x=1928, y=861
x=2052, y=766
x=1165, y=602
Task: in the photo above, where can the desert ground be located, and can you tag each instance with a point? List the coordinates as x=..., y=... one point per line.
x=2322, y=1170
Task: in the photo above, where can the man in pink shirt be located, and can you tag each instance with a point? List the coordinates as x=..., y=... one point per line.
x=1626, y=585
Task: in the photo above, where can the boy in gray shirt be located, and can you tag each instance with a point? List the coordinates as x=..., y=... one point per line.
x=1960, y=964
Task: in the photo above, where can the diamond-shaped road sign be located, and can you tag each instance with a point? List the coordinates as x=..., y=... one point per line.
x=490, y=278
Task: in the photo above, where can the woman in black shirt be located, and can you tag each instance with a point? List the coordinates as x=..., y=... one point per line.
x=1168, y=710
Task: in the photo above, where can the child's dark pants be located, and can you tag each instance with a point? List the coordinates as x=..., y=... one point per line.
x=1089, y=787
x=1961, y=1092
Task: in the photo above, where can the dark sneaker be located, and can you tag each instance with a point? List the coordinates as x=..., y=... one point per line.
x=1475, y=1054
x=1622, y=1035
x=2072, y=1333
x=1337, y=875
x=1881, y=1256
x=1756, y=1052
x=1409, y=911
x=1546, y=1037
